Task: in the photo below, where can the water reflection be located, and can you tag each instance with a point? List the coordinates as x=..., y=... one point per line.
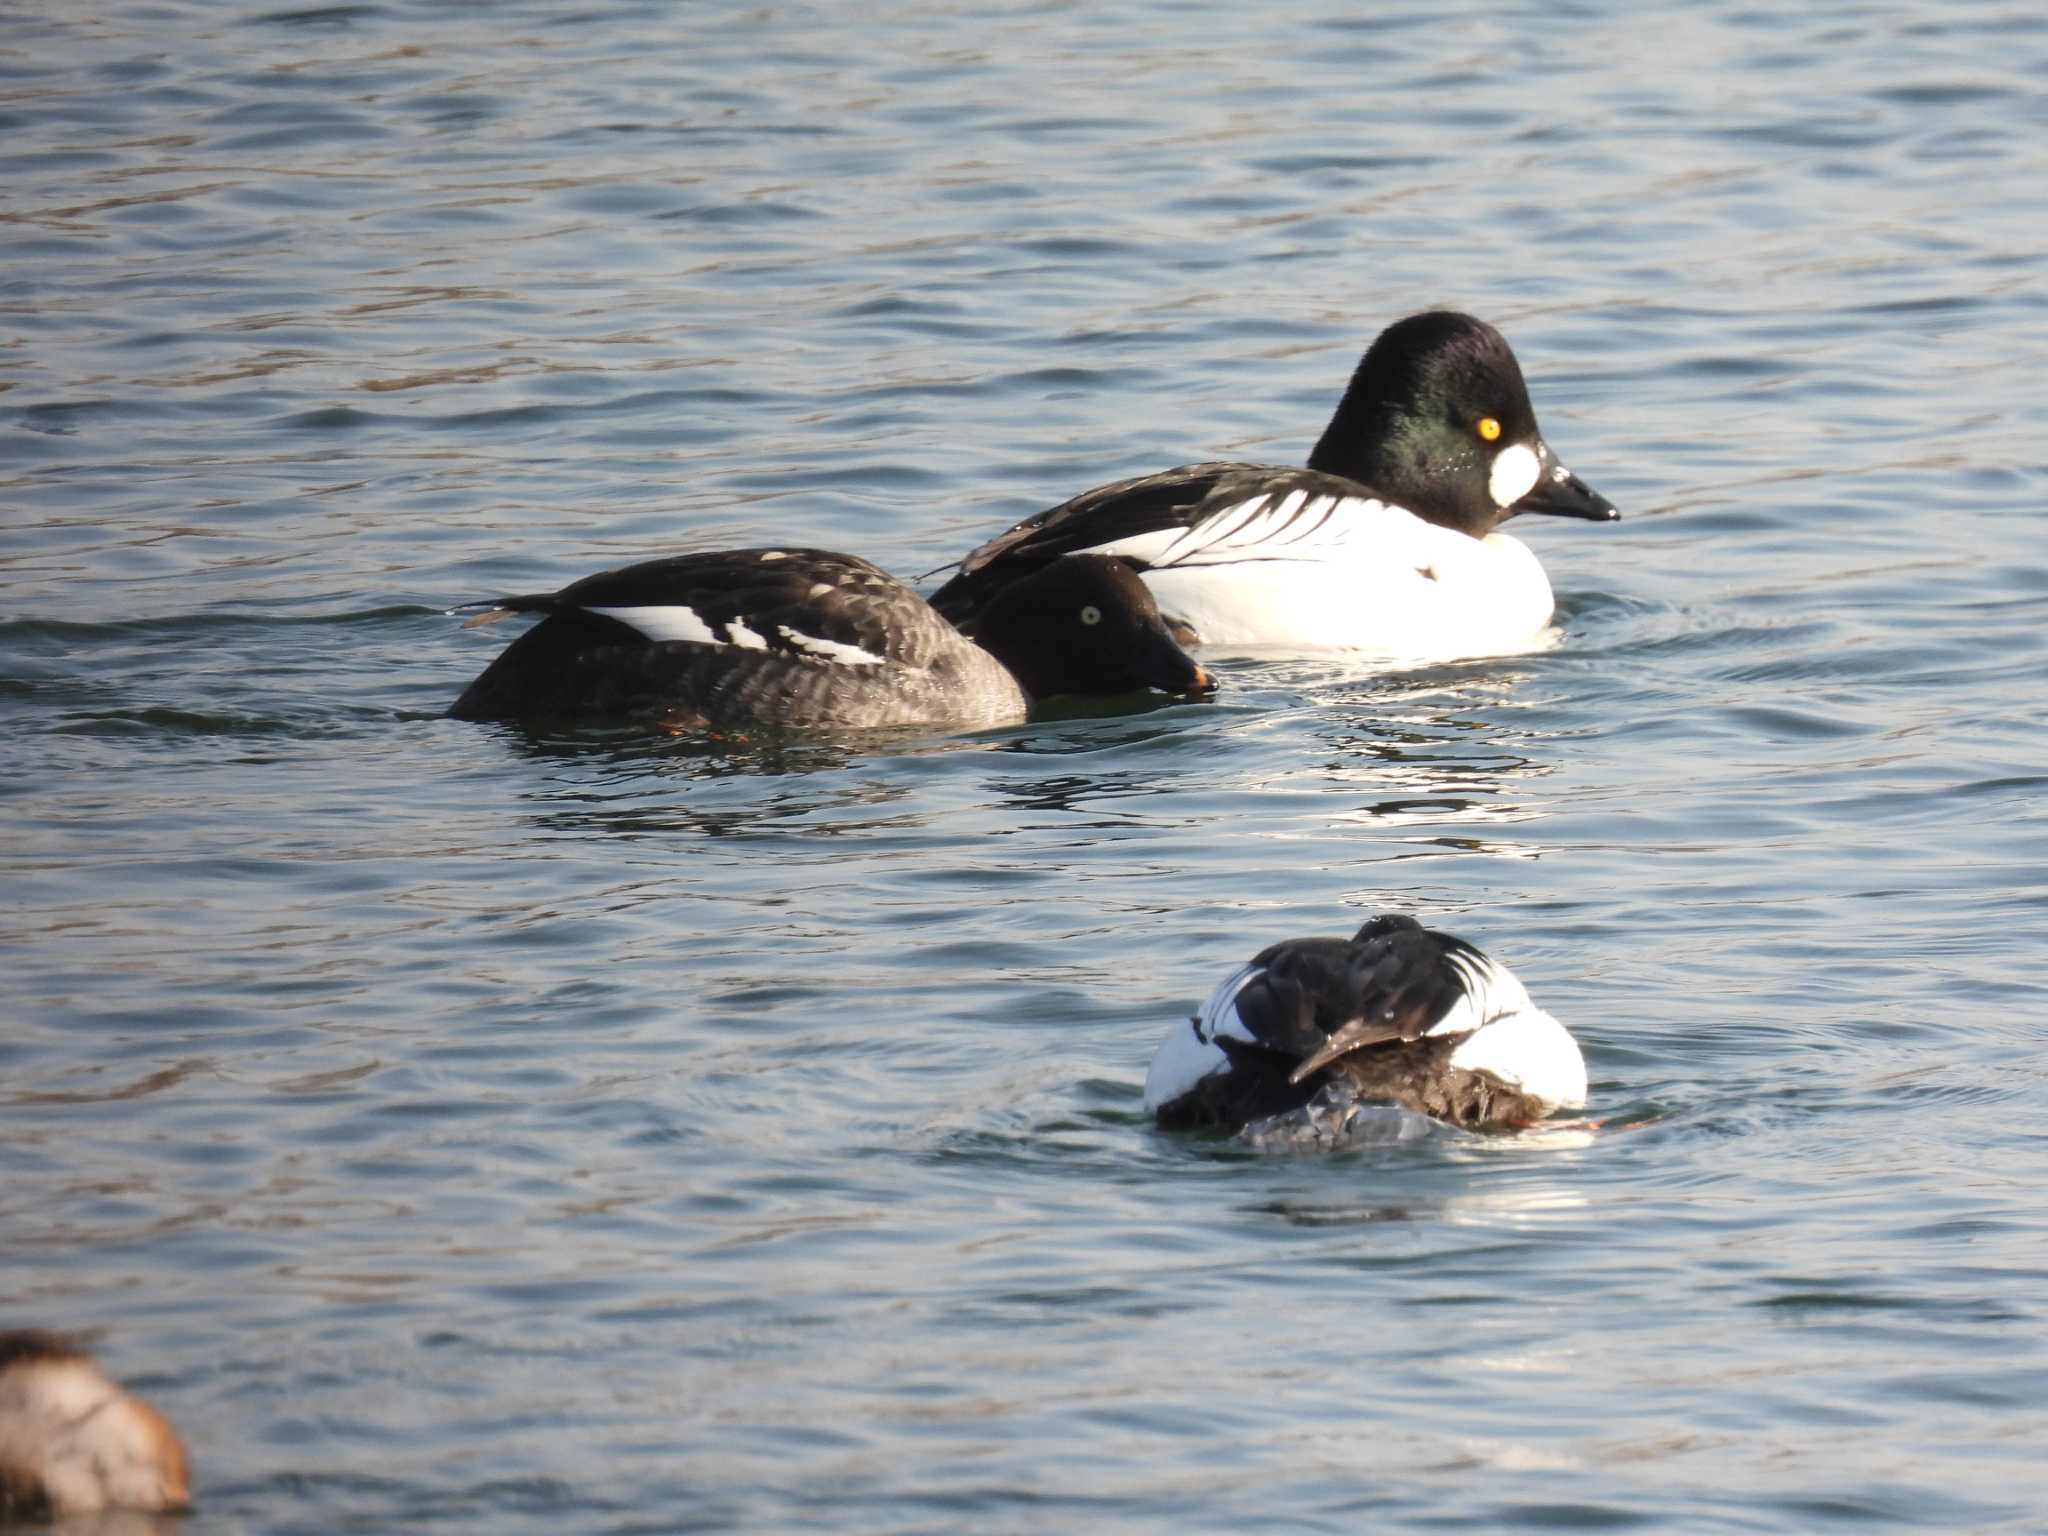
x=637, y=749
x=1074, y=792
x=650, y=806
x=1424, y=750
x=831, y=1120
x=1489, y=1202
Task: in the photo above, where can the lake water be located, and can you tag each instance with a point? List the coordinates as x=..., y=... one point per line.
x=457, y=1131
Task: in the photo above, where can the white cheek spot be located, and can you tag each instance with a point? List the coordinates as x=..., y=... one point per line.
x=672, y=623
x=743, y=637
x=830, y=650
x=1515, y=469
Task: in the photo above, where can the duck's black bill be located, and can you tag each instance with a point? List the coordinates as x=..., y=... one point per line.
x=1174, y=671
x=1560, y=493
x=1159, y=662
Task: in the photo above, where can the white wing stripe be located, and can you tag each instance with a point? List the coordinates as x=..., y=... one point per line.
x=669, y=623
x=836, y=651
x=1319, y=512
x=677, y=622
x=1295, y=526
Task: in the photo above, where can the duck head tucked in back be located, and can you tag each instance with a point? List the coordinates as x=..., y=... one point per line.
x=1397, y=1014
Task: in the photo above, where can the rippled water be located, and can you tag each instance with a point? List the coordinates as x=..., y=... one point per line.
x=451, y=1129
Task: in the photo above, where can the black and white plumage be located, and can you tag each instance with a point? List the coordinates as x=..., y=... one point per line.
x=1398, y=1014
x=806, y=639
x=72, y=1442
x=1386, y=542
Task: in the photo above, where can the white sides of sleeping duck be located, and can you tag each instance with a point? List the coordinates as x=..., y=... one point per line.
x=1398, y=1014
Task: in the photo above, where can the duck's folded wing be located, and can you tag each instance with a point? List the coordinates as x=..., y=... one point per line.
x=1130, y=515
x=1199, y=514
x=1105, y=516
x=1289, y=520
x=802, y=604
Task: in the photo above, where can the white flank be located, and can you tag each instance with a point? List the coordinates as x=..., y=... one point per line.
x=1219, y=1014
x=1347, y=572
x=1189, y=1052
x=1423, y=594
x=736, y=630
x=672, y=623
x=1515, y=469
x=1531, y=1051
x=835, y=651
x=1303, y=570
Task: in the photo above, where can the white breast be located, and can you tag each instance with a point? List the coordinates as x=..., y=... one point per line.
x=1366, y=577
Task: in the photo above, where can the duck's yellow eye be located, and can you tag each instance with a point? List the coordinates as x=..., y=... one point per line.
x=1489, y=429
x=1091, y=615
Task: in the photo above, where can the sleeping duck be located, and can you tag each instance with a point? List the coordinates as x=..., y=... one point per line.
x=1396, y=1014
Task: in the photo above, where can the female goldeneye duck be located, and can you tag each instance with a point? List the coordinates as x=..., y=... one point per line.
x=1397, y=1014
x=1385, y=543
x=74, y=1443
x=806, y=639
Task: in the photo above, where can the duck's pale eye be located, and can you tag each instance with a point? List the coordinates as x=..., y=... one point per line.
x=1091, y=614
x=1487, y=428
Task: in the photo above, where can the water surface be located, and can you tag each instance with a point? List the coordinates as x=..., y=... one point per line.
x=453, y=1129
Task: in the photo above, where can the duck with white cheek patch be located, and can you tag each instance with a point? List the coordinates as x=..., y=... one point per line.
x=1388, y=542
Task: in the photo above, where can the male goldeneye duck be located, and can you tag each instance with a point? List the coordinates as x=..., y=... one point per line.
x=1385, y=543
x=74, y=1443
x=1397, y=1014
x=806, y=639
